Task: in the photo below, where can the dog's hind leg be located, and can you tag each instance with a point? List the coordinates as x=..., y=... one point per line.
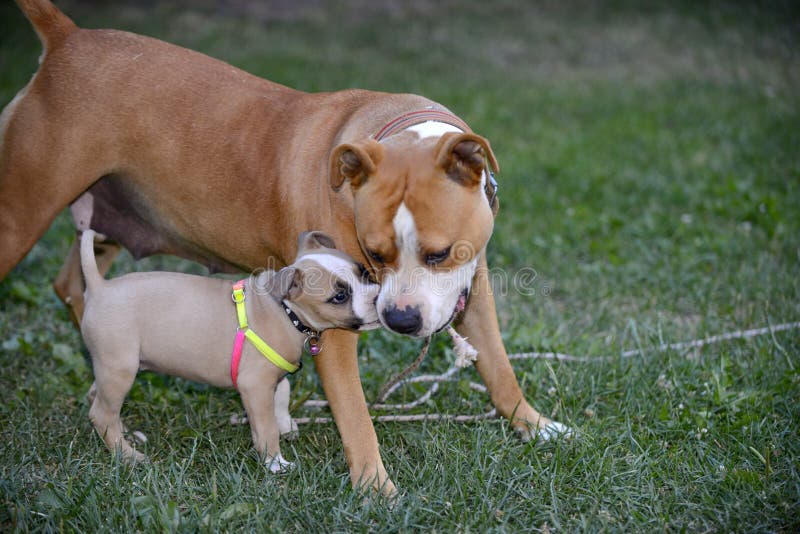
x=286, y=425
x=40, y=174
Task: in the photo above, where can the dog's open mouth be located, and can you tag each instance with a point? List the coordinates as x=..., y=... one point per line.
x=461, y=303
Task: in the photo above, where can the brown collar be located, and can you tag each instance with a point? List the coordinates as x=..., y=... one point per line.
x=418, y=117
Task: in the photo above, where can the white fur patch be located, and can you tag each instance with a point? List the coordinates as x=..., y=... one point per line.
x=553, y=430
x=432, y=129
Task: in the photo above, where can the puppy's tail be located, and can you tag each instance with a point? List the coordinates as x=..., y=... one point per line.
x=88, y=263
x=50, y=23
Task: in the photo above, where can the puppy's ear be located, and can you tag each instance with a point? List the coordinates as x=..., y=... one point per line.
x=354, y=162
x=287, y=284
x=308, y=241
x=463, y=156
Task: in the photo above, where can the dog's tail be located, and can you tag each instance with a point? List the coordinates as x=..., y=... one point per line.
x=50, y=23
x=88, y=263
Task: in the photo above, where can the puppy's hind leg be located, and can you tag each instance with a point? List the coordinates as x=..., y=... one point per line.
x=286, y=425
x=109, y=390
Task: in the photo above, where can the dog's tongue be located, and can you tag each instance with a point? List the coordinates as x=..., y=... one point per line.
x=461, y=304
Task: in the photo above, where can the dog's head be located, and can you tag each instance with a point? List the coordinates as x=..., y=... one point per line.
x=326, y=288
x=422, y=220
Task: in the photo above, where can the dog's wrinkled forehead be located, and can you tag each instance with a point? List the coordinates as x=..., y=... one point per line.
x=444, y=211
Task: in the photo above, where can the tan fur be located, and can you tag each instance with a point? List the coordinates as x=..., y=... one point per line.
x=226, y=168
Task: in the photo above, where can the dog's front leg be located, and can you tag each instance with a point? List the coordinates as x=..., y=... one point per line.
x=480, y=325
x=337, y=366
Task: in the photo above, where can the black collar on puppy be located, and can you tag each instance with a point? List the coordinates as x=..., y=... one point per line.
x=297, y=323
x=311, y=344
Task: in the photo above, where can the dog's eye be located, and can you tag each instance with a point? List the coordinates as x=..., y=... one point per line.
x=342, y=295
x=375, y=256
x=363, y=274
x=437, y=257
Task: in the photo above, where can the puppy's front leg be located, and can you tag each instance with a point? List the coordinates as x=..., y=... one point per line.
x=259, y=401
x=337, y=366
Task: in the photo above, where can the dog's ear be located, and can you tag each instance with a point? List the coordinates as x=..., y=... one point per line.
x=308, y=241
x=464, y=156
x=354, y=162
x=287, y=284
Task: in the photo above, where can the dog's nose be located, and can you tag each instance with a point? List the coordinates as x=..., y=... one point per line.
x=405, y=321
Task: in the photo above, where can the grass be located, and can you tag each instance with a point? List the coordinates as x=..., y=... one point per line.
x=650, y=179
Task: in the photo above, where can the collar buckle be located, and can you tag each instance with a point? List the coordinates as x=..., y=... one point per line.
x=491, y=189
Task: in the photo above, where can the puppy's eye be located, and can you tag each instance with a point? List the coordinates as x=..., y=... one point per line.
x=437, y=257
x=341, y=296
x=375, y=256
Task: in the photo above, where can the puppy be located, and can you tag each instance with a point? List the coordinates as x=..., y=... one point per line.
x=185, y=326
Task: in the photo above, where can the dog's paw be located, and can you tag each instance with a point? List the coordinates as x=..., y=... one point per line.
x=278, y=465
x=554, y=430
x=551, y=430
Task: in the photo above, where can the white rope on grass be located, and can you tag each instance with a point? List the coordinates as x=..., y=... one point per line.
x=449, y=376
x=696, y=343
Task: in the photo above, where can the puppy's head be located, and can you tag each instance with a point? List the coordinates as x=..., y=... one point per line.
x=326, y=288
x=423, y=219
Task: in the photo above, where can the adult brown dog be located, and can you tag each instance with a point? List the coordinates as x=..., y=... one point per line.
x=166, y=150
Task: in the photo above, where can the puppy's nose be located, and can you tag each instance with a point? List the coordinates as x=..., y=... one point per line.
x=405, y=321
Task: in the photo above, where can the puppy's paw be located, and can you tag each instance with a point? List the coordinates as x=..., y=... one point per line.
x=278, y=465
x=291, y=435
x=134, y=457
x=288, y=429
x=237, y=419
x=140, y=458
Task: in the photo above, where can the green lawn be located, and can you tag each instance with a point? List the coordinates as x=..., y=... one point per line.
x=650, y=178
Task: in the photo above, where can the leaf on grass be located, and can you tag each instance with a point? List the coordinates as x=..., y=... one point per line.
x=21, y=291
x=64, y=353
x=49, y=499
x=237, y=509
x=12, y=344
